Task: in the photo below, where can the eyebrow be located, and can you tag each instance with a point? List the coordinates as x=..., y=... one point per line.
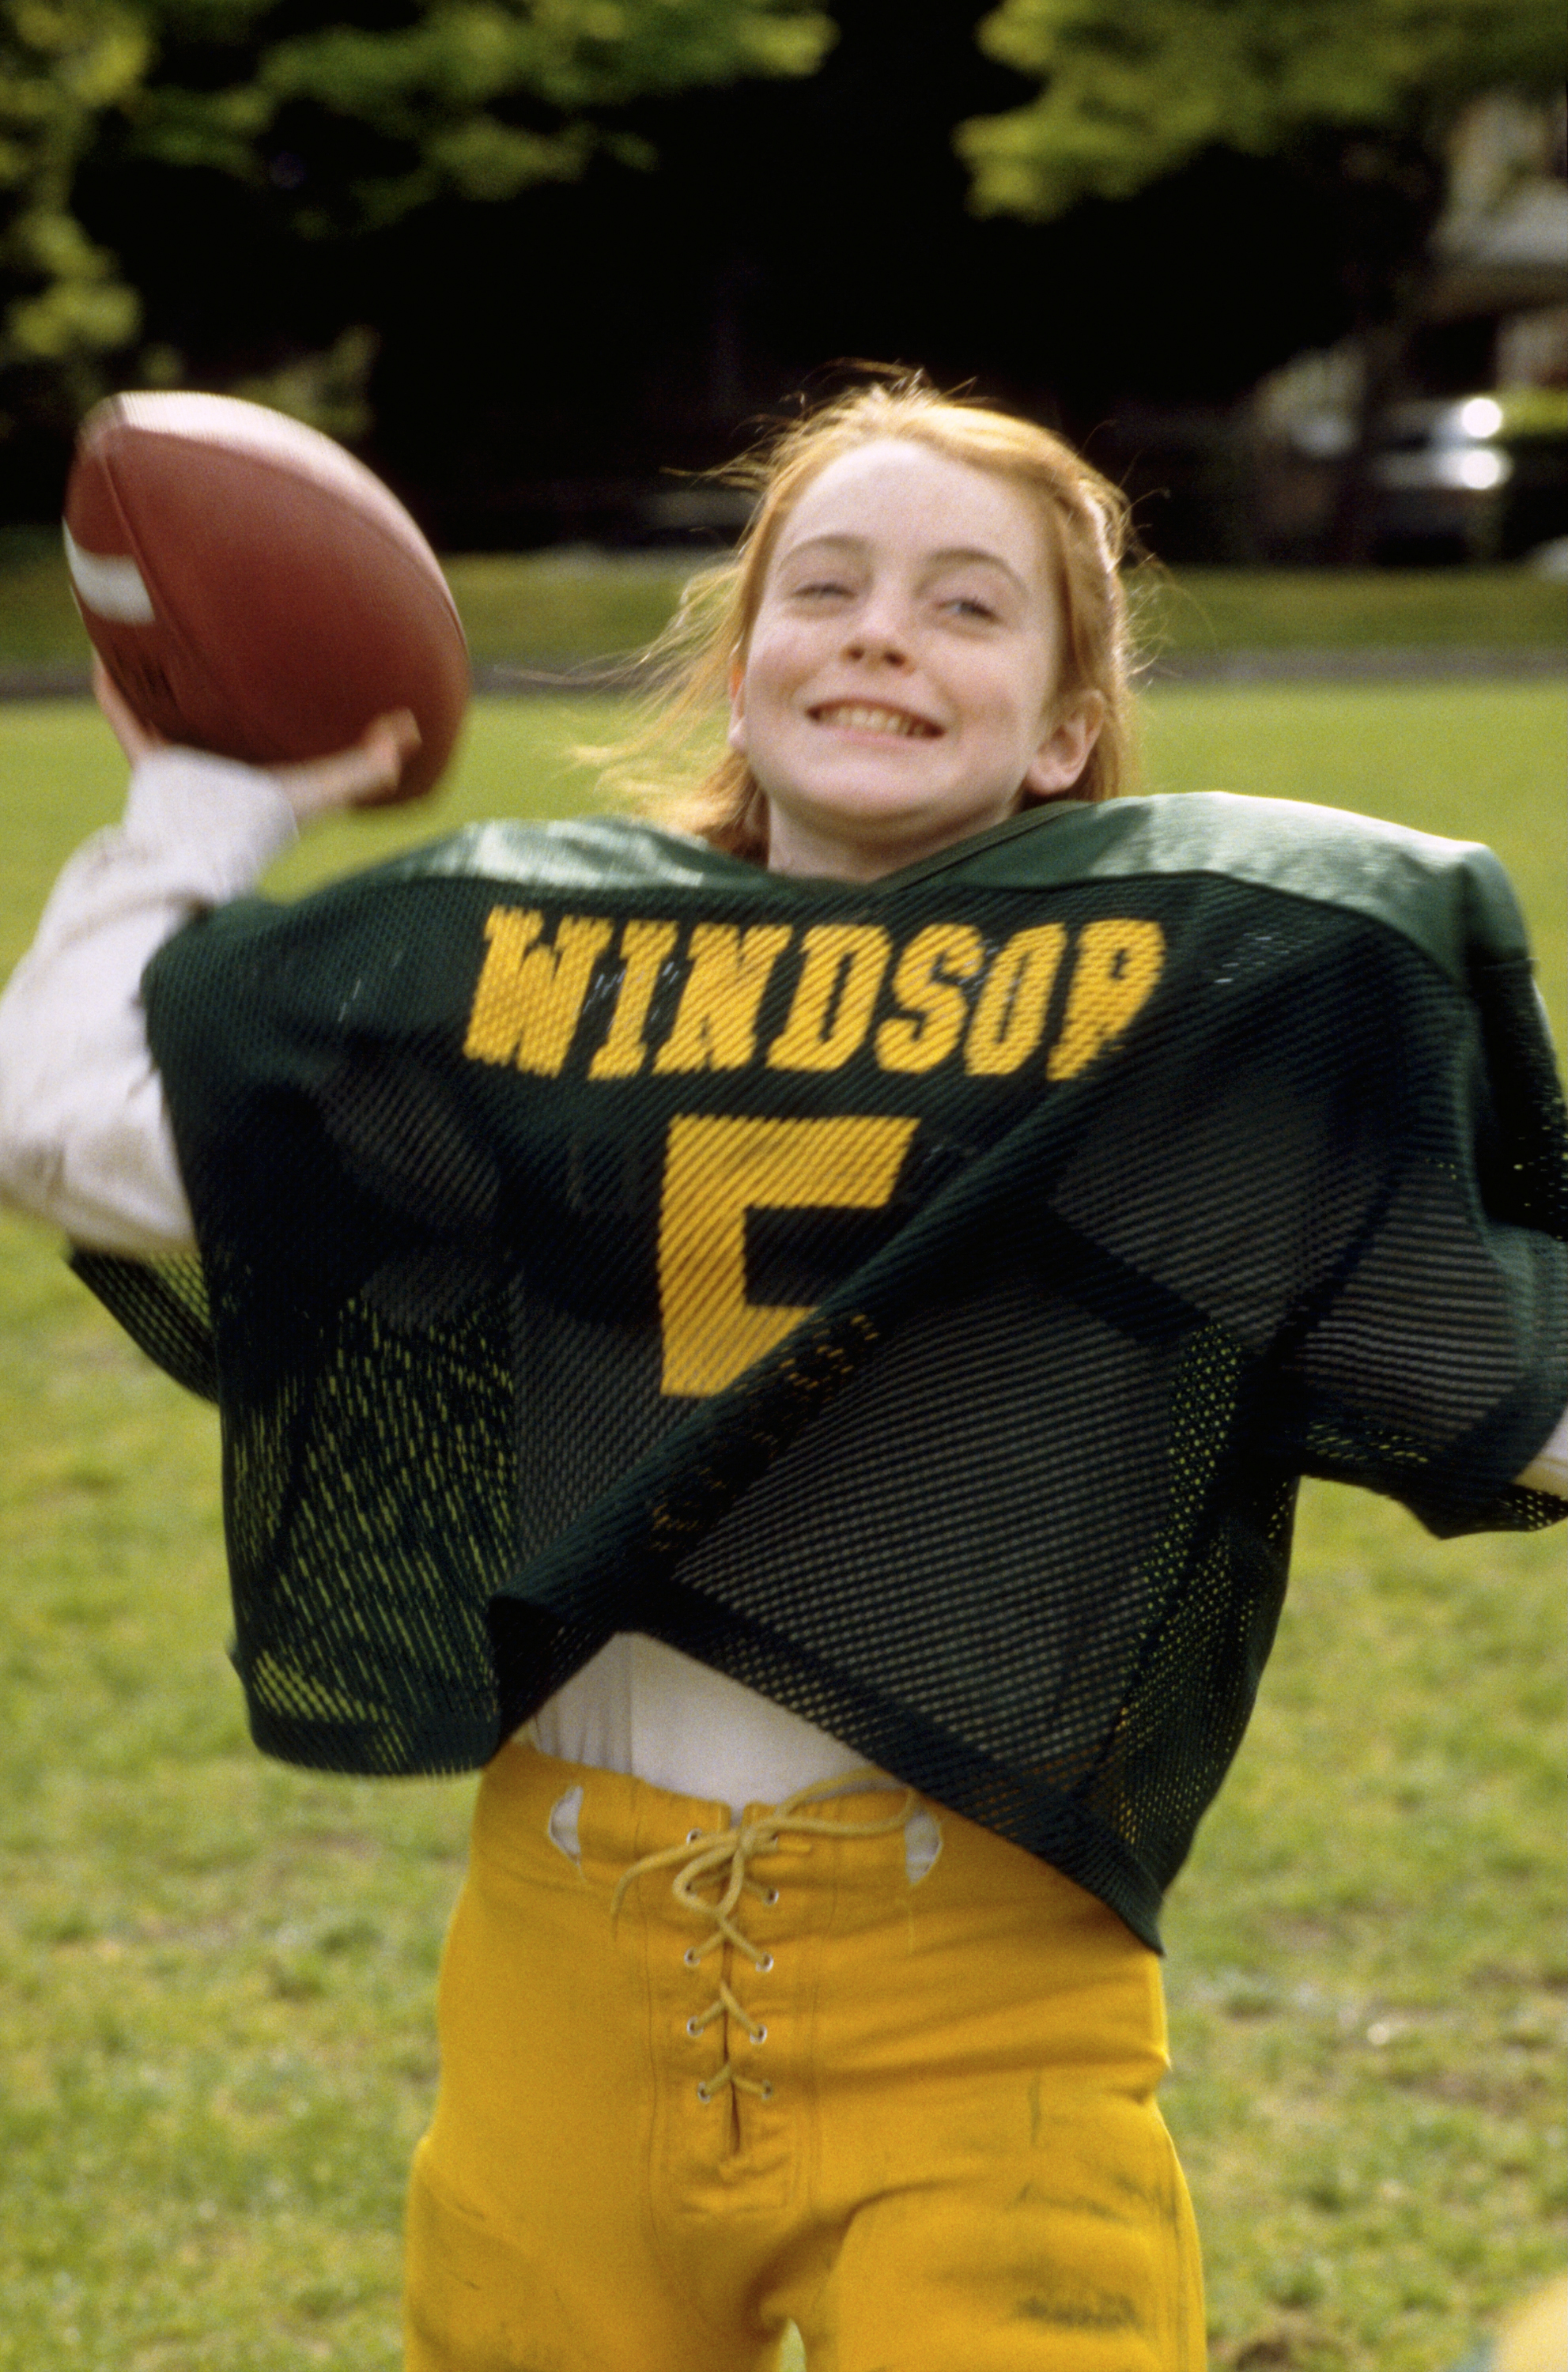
x=946, y=558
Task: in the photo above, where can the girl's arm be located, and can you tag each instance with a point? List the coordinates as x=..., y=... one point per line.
x=1547, y=1469
x=85, y=1139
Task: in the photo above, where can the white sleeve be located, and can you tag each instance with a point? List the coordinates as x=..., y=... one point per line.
x=1547, y=1469
x=85, y=1139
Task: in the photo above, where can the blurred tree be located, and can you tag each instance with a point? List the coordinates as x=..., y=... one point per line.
x=66, y=66
x=347, y=126
x=1356, y=97
x=359, y=120
x=1132, y=89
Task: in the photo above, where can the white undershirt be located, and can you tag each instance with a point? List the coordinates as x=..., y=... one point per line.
x=85, y=1145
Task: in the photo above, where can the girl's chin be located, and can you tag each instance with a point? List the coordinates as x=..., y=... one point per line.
x=888, y=806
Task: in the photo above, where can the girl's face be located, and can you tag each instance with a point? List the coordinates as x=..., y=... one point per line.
x=898, y=691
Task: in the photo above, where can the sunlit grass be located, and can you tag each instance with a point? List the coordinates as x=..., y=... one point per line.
x=1470, y=761
x=572, y=604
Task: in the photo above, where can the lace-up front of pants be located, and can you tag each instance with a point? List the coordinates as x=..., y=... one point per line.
x=866, y=2068
x=723, y=1860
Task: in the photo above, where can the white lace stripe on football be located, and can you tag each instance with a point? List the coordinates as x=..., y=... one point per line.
x=110, y=587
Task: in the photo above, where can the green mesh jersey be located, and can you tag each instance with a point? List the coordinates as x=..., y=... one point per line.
x=916, y=1300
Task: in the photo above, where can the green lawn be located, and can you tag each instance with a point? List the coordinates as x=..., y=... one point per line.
x=216, y=1974
x=1322, y=609
x=566, y=606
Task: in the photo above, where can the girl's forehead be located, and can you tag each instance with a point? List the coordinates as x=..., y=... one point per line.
x=899, y=496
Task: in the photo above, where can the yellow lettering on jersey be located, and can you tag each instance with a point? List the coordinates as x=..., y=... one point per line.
x=715, y=1022
x=926, y=986
x=716, y=1170
x=838, y=985
x=643, y=948
x=1117, y=965
x=1009, y=1016
x=529, y=997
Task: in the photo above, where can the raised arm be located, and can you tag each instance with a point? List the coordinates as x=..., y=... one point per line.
x=85, y=1141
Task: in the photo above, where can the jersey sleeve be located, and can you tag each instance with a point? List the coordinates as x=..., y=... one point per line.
x=1340, y=1146
x=1434, y=1365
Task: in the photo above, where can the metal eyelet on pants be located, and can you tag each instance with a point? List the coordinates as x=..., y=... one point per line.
x=723, y=1858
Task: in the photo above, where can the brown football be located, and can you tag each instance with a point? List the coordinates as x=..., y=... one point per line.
x=254, y=590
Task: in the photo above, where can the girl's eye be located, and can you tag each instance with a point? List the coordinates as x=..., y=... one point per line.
x=966, y=605
x=820, y=586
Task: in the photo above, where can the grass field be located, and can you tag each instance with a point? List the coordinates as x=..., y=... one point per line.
x=216, y=1974
x=560, y=607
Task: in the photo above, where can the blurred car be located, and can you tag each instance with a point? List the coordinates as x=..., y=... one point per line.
x=1479, y=477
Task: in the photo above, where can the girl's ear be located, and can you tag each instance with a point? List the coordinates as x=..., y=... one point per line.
x=1065, y=748
x=735, y=736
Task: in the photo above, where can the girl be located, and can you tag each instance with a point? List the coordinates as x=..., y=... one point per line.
x=798, y=1360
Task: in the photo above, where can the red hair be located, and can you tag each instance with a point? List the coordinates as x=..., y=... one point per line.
x=1088, y=526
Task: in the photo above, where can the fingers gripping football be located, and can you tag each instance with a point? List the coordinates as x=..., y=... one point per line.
x=367, y=774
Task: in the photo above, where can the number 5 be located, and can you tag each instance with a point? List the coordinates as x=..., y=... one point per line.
x=716, y=1170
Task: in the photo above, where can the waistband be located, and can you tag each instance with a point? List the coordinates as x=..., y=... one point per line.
x=540, y=1818
x=534, y=1809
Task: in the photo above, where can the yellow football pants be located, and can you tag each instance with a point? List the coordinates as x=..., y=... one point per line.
x=699, y=2081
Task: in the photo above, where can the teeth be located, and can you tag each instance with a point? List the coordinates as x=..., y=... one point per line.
x=857, y=718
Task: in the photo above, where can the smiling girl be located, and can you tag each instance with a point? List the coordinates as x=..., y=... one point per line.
x=902, y=683
x=810, y=1325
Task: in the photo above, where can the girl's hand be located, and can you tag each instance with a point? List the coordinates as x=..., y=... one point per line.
x=136, y=740
x=352, y=777
x=345, y=780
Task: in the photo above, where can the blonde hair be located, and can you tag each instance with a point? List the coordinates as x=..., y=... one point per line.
x=665, y=763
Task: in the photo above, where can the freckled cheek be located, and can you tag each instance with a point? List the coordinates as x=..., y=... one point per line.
x=781, y=650
x=772, y=694
x=1014, y=719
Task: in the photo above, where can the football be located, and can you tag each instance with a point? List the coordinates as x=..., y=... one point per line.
x=254, y=590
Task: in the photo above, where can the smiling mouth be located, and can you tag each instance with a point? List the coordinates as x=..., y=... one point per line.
x=864, y=717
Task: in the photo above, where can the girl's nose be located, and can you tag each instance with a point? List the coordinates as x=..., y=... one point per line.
x=879, y=633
